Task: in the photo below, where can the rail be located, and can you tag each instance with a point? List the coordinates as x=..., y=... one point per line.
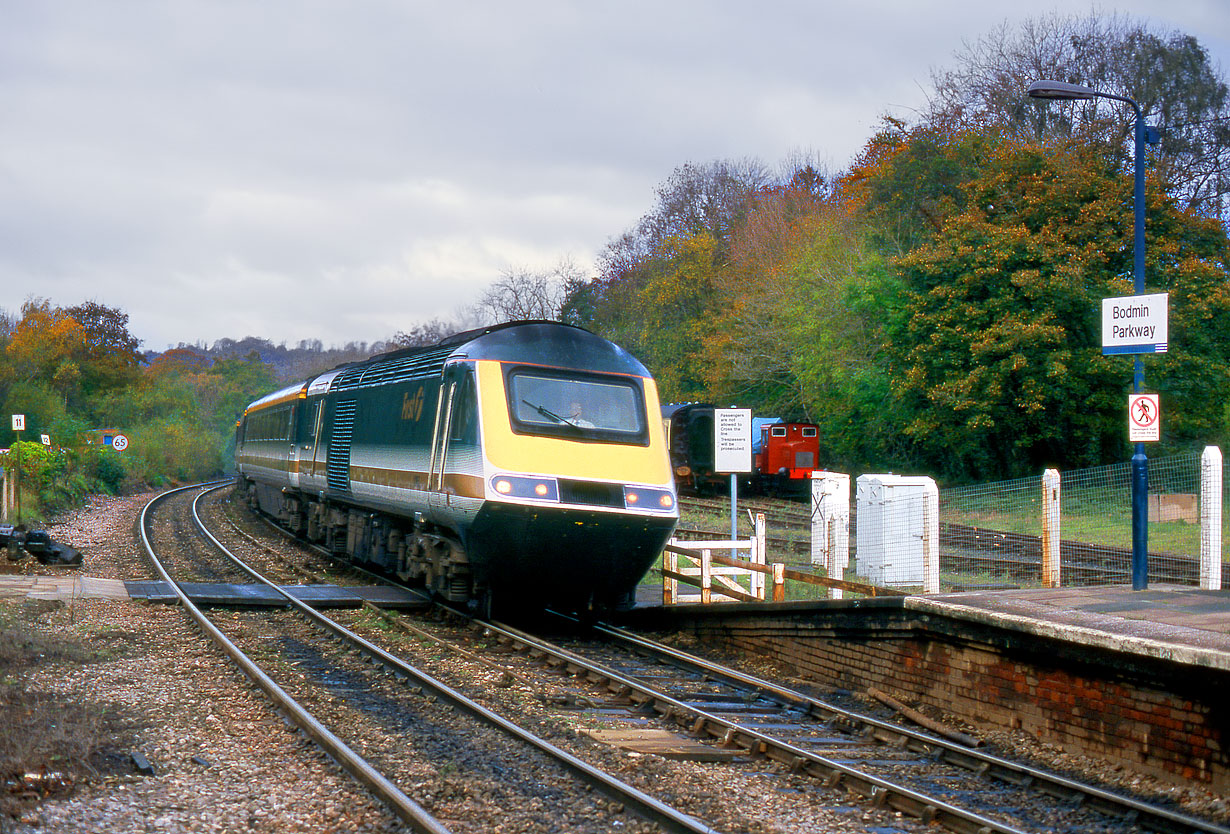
x=668, y=818
x=406, y=809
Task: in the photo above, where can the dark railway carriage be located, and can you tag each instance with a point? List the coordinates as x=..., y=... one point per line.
x=689, y=433
x=517, y=462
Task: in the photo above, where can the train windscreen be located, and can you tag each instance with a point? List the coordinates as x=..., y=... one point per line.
x=583, y=407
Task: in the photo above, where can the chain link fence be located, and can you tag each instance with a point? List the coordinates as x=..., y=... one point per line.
x=991, y=535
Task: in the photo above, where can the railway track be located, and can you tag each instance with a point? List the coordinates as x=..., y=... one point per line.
x=340, y=692
x=923, y=775
x=844, y=755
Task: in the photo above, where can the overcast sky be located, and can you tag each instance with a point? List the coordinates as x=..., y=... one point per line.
x=331, y=170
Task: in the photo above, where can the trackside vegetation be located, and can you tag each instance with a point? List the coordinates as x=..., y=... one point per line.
x=73, y=370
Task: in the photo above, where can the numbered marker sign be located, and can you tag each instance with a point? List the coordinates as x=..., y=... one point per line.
x=1144, y=418
x=19, y=422
x=119, y=443
x=46, y=440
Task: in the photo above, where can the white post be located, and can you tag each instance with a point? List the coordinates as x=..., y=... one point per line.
x=1210, y=519
x=706, y=577
x=759, y=546
x=931, y=538
x=830, y=519
x=1050, y=529
x=670, y=585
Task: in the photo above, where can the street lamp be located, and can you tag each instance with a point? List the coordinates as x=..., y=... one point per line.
x=1140, y=463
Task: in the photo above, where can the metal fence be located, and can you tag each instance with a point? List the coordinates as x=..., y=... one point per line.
x=992, y=535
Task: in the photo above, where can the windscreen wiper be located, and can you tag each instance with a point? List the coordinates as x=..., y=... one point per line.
x=551, y=415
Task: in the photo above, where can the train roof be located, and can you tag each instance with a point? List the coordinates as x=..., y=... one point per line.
x=545, y=343
x=290, y=392
x=671, y=409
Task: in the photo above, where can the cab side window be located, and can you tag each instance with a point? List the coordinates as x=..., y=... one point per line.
x=465, y=412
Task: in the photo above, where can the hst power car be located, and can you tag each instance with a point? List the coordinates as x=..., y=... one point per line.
x=523, y=463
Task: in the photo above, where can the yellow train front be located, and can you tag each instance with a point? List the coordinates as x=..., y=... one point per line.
x=517, y=463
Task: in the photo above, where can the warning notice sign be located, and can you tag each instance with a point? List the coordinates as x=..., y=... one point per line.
x=1144, y=418
x=732, y=440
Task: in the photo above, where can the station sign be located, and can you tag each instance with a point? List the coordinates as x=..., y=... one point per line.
x=1144, y=418
x=1135, y=324
x=732, y=440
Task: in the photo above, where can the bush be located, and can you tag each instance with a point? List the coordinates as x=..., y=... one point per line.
x=54, y=480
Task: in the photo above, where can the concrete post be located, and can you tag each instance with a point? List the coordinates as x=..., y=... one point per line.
x=1210, y=518
x=830, y=524
x=931, y=538
x=1050, y=529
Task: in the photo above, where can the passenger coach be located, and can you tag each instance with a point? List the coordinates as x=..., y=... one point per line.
x=517, y=463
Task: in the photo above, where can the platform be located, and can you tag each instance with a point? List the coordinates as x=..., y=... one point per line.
x=1176, y=623
x=1168, y=622
x=66, y=588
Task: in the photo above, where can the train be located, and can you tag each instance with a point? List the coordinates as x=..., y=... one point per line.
x=506, y=468
x=784, y=453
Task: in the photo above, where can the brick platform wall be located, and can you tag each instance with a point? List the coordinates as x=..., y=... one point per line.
x=1151, y=716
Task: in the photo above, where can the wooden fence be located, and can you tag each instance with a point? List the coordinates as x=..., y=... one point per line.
x=720, y=577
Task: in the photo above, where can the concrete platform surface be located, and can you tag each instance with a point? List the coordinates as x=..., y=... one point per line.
x=67, y=588
x=64, y=588
x=1170, y=622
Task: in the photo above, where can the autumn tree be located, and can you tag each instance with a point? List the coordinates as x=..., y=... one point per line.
x=655, y=293
x=1169, y=74
x=109, y=356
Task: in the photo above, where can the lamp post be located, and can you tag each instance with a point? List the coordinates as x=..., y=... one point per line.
x=1140, y=463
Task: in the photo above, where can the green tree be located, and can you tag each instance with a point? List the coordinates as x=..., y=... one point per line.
x=997, y=361
x=108, y=357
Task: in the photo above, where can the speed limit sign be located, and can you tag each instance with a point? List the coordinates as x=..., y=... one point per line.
x=119, y=443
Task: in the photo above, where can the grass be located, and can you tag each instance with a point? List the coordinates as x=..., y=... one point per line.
x=47, y=739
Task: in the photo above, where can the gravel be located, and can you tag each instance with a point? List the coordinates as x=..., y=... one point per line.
x=224, y=760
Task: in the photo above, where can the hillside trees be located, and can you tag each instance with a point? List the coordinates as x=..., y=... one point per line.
x=69, y=369
x=655, y=292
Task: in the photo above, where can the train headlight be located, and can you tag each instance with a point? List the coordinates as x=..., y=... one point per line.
x=650, y=500
x=522, y=486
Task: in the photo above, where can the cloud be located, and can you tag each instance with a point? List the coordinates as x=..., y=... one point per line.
x=318, y=169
